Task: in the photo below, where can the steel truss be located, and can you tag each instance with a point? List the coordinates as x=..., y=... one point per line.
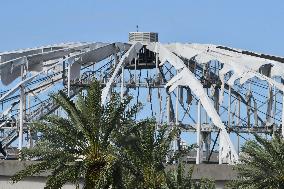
x=217, y=96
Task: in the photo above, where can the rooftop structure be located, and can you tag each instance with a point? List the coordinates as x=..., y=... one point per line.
x=143, y=37
x=214, y=94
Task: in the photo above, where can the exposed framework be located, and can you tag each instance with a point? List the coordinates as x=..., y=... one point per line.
x=213, y=93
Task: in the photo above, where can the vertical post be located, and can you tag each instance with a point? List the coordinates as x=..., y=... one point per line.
x=270, y=103
x=178, y=140
x=169, y=120
x=239, y=121
x=116, y=61
x=229, y=108
x=239, y=110
x=216, y=99
x=160, y=105
x=122, y=83
x=158, y=87
x=198, y=132
x=68, y=79
x=283, y=115
x=221, y=149
x=207, y=141
x=30, y=133
x=168, y=109
x=135, y=70
x=177, y=96
x=157, y=62
x=275, y=104
x=238, y=143
x=21, y=107
x=206, y=115
x=22, y=96
x=255, y=113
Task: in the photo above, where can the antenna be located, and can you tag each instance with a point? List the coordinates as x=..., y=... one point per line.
x=137, y=28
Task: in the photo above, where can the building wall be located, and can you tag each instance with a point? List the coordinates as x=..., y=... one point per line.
x=219, y=173
x=28, y=183
x=39, y=183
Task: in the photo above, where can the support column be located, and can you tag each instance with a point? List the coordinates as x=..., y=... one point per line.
x=116, y=61
x=30, y=132
x=275, y=105
x=122, y=83
x=135, y=70
x=270, y=103
x=21, y=108
x=158, y=88
x=221, y=149
x=21, y=117
x=206, y=137
x=239, y=122
x=168, y=108
x=283, y=115
x=198, y=137
x=177, y=96
x=68, y=79
x=216, y=99
x=229, y=108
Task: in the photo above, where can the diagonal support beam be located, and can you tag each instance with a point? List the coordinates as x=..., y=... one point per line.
x=128, y=56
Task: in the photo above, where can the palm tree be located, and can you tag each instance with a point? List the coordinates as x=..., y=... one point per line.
x=180, y=178
x=144, y=152
x=148, y=158
x=80, y=147
x=261, y=164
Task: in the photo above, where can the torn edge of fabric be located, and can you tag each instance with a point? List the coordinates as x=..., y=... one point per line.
x=186, y=78
x=128, y=56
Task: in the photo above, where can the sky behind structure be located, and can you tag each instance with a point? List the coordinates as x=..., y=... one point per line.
x=255, y=25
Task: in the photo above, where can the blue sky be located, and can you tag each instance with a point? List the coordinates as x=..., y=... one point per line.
x=249, y=24
x=255, y=25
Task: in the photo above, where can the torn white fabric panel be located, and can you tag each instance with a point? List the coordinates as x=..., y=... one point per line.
x=12, y=70
x=201, y=47
x=97, y=55
x=75, y=69
x=232, y=79
x=10, y=56
x=14, y=89
x=244, y=67
x=165, y=55
x=186, y=78
x=50, y=55
x=277, y=70
x=37, y=67
x=236, y=62
x=122, y=46
x=246, y=76
x=278, y=85
x=204, y=58
x=27, y=80
x=127, y=57
x=10, y=76
x=225, y=153
x=183, y=50
x=86, y=46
